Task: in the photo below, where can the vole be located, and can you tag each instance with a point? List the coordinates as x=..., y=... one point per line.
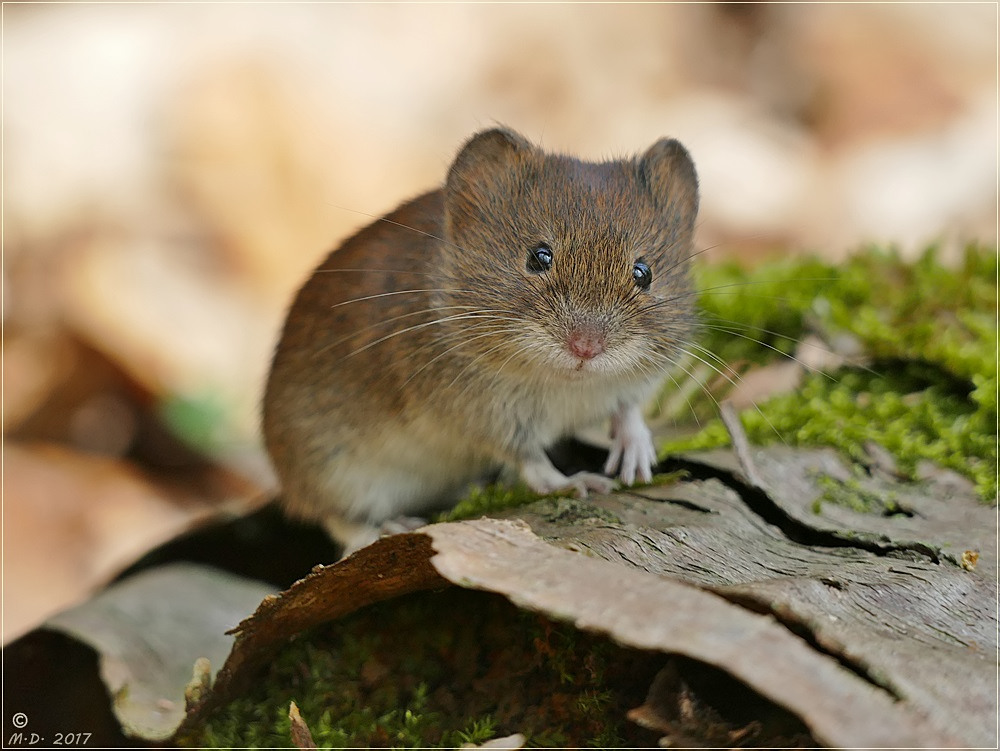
x=468, y=330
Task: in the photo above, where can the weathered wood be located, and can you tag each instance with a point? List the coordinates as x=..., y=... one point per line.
x=866, y=627
x=886, y=596
x=388, y=568
x=652, y=612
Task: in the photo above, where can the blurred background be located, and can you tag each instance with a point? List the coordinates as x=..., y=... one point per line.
x=173, y=171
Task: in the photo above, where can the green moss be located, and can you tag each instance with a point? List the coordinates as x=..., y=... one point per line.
x=439, y=670
x=488, y=500
x=852, y=494
x=495, y=498
x=928, y=329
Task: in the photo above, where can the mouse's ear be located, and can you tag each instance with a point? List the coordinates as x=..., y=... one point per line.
x=668, y=172
x=482, y=154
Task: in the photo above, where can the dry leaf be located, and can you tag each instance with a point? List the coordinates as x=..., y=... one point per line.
x=969, y=559
x=175, y=327
x=148, y=631
x=73, y=521
x=33, y=367
x=761, y=383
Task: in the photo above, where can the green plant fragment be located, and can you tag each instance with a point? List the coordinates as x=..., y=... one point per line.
x=928, y=329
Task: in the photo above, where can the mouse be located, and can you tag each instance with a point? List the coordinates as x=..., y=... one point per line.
x=461, y=335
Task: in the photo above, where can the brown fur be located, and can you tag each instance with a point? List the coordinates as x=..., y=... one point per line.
x=494, y=384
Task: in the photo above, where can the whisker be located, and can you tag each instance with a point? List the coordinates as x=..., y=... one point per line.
x=480, y=356
x=712, y=355
x=390, y=294
x=762, y=343
x=464, y=341
x=370, y=270
x=412, y=313
x=799, y=342
x=685, y=259
x=417, y=327
x=734, y=384
x=528, y=351
x=717, y=290
x=680, y=390
x=761, y=282
x=678, y=364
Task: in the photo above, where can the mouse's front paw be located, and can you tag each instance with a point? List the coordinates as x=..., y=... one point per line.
x=632, y=452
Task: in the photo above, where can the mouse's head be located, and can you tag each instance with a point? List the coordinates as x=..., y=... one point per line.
x=570, y=266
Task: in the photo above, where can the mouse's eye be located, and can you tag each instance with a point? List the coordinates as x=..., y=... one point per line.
x=642, y=275
x=539, y=259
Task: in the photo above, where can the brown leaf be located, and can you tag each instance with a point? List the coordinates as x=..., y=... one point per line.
x=969, y=559
x=254, y=154
x=389, y=567
x=761, y=383
x=148, y=631
x=174, y=327
x=32, y=367
x=74, y=520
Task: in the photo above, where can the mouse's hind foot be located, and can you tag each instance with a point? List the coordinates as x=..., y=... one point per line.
x=542, y=477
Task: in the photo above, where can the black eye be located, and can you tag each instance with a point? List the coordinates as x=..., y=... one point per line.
x=539, y=259
x=642, y=275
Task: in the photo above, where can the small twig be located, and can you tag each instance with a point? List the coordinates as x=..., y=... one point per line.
x=508, y=743
x=200, y=685
x=301, y=736
x=741, y=446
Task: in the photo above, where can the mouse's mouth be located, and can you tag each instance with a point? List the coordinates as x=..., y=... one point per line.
x=586, y=365
x=583, y=367
x=582, y=351
x=603, y=367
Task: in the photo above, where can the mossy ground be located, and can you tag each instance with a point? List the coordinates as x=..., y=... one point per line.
x=928, y=331
x=482, y=501
x=439, y=670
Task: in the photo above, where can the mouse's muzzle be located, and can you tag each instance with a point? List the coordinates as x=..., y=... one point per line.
x=586, y=341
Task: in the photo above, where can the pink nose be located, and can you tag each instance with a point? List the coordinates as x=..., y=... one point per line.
x=585, y=343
